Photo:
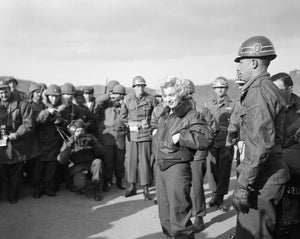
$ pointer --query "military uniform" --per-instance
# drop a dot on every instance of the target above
(85, 154)
(263, 173)
(220, 157)
(112, 137)
(198, 165)
(16, 116)
(138, 144)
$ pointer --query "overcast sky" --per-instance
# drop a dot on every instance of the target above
(87, 41)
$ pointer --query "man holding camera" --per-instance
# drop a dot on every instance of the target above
(17, 143)
(82, 153)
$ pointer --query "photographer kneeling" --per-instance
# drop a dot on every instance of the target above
(84, 154)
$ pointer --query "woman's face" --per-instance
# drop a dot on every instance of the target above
(171, 97)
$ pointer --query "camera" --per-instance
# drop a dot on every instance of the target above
(3, 136)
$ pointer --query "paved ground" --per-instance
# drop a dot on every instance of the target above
(70, 216)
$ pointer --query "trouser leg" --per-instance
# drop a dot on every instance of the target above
(14, 179)
(144, 153)
(212, 168)
(97, 170)
(132, 161)
(224, 170)
(109, 163)
(198, 197)
(163, 202)
(119, 163)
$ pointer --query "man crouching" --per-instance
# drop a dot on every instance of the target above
(84, 154)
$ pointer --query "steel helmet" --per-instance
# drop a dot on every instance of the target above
(119, 89)
(138, 80)
(220, 82)
(34, 87)
(111, 84)
(190, 86)
(53, 90)
(3, 84)
(43, 86)
(68, 89)
(88, 89)
(256, 47)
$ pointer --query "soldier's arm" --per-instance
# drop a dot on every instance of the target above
(27, 120)
(98, 149)
(260, 131)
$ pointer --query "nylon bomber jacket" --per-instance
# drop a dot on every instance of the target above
(195, 135)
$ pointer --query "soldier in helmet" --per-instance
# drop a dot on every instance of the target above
(83, 154)
(263, 173)
(49, 121)
(17, 141)
(136, 113)
(70, 112)
(112, 136)
(220, 157)
(90, 103)
(13, 84)
(198, 165)
(291, 152)
(32, 167)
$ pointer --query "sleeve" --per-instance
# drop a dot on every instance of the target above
(233, 128)
(260, 131)
(27, 120)
(65, 152)
(198, 136)
(124, 112)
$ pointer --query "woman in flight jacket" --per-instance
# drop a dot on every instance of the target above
(179, 134)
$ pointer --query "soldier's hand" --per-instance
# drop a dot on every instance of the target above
(175, 138)
(12, 136)
(61, 108)
(144, 124)
(52, 110)
(240, 198)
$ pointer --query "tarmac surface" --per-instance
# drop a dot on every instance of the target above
(71, 216)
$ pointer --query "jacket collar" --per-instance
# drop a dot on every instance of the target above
(253, 82)
(226, 99)
(181, 110)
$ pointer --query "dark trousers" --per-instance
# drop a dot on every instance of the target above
(13, 174)
(174, 202)
(47, 173)
(198, 196)
(114, 162)
(138, 162)
(33, 171)
(260, 223)
(219, 169)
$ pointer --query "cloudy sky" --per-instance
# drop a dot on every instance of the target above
(89, 41)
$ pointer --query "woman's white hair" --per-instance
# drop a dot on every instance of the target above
(180, 85)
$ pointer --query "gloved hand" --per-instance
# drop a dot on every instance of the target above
(241, 198)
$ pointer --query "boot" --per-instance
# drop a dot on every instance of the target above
(97, 192)
(216, 200)
(146, 194)
(119, 184)
(198, 224)
(37, 191)
(131, 191)
(105, 187)
(49, 190)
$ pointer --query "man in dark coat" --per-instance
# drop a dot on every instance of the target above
(263, 173)
(17, 141)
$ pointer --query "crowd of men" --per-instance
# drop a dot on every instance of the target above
(60, 134)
